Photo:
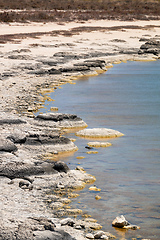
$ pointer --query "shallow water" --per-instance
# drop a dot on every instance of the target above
(126, 98)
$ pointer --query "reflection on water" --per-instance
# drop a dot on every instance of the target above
(127, 99)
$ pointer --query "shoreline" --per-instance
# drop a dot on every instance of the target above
(31, 68)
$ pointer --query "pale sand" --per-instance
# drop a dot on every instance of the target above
(82, 42)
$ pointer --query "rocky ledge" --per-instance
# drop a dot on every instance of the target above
(31, 187)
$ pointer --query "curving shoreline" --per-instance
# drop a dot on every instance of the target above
(26, 78)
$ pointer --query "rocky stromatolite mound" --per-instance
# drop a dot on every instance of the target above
(99, 133)
(61, 120)
(151, 46)
(37, 135)
(99, 144)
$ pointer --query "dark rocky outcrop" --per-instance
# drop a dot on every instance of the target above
(38, 139)
(21, 170)
(61, 167)
(151, 47)
(57, 117)
(11, 121)
(7, 146)
(17, 137)
(91, 64)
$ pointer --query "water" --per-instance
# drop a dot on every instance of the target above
(125, 98)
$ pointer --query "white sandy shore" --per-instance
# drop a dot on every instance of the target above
(43, 48)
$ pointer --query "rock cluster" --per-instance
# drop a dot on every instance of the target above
(121, 222)
(150, 47)
(83, 67)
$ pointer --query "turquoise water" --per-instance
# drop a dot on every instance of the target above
(126, 98)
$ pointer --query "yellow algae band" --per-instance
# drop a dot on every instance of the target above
(80, 157)
(99, 133)
(99, 144)
(92, 152)
(54, 109)
(97, 197)
(93, 188)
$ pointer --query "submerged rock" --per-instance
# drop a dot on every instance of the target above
(99, 133)
(99, 144)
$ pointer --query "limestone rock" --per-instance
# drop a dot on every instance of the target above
(11, 121)
(17, 137)
(99, 144)
(151, 46)
(67, 221)
(61, 167)
(99, 133)
(89, 236)
(48, 235)
(57, 117)
(99, 234)
(120, 222)
(40, 139)
(61, 120)
(7, 146)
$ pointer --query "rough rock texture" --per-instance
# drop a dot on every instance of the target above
(99, 144)
(24, 202)
(150, 47)
(121, 222)
(99, 133)
(61, 120)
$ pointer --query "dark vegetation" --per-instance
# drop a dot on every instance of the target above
(80, 10)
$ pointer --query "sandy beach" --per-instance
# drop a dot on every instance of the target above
(37, 58)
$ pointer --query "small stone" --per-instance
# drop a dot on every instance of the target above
(104, 237)
(133, 227)
(54, 109)
(89, 236)
(120, 222)
(73, 195)
(80, 169)
(67, 221)
(93, 188)
(90, 220)
(78, 227)
(99, 234)
(97, 197)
